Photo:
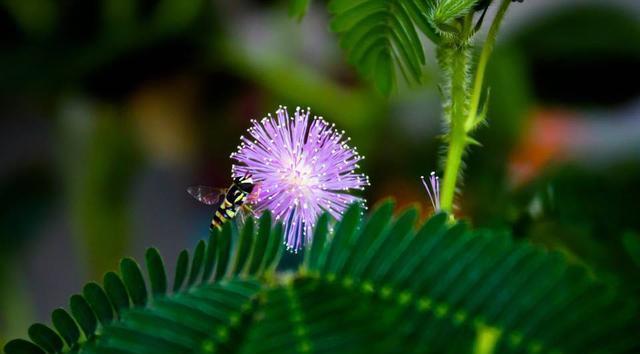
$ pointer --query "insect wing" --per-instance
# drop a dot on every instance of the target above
(242, 214)
(206, 195)
(254, 196)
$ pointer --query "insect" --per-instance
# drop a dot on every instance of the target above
(227, 202)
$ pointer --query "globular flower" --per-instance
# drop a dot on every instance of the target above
(433, 190)
(302, 167)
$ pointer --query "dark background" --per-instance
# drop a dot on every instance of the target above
(109, 109)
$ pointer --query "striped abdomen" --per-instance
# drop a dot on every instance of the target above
(228, 208)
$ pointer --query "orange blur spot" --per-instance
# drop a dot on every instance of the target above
(544, 141)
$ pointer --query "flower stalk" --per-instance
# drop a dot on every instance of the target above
(456, 62)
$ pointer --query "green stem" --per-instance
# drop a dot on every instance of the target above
(454, 160)
(457, 59)
(462, 110)
(487, 48)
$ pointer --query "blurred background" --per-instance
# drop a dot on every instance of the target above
(109, 109)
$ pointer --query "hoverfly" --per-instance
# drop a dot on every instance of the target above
(227, 202)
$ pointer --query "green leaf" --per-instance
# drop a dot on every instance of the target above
(481, 116)
(201, 317)
(46, 338)
(401, 231)
(376, 223)
(224, 249)
(196, 266)
(99, 302)
(274, 248)
(66, 326)
(157, 274)
(244, 246)
(343, 241)
(134, 281)
(21, 346)
(377, 284)
(384, 76)
(445, 282)
(471, 141)
(83, 315)
(314, 251)
(116, 292)
(264, 228)
(209, 261)
(298, 8)
(181, 270)
(380, 35)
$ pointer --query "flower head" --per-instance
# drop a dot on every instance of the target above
(302, 167)
(433, 190)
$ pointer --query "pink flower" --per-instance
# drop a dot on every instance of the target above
(302, 167)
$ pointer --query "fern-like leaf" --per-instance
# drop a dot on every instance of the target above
(210, 300)
(375, 284)
(379, 286)
(379, 35)
(444, 287)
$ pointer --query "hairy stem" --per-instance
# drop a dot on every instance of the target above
(461, 109)
(457, 61)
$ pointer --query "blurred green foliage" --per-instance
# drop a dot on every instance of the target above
(98, 163)
(299, 8)
(49, 46)
(27, 198)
